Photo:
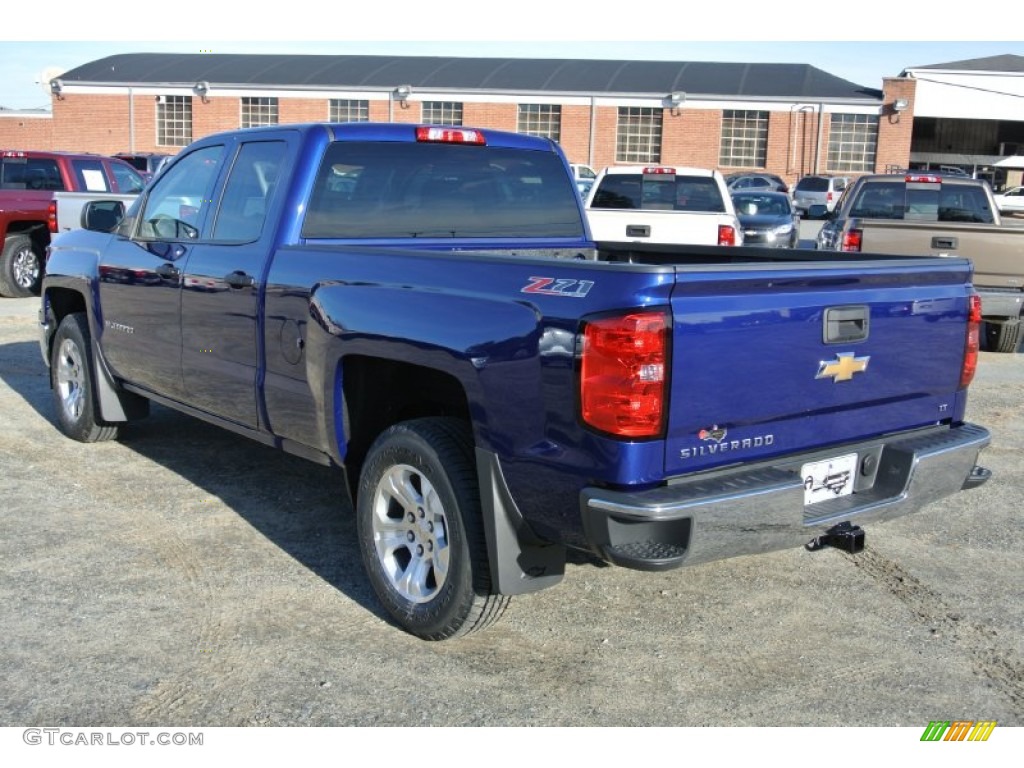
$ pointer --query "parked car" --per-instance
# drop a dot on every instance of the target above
(584, 186)
(581, 171)
(818, 190)
(750, 181)
(767, 219)
(1010, 200)
(29, 183)
(146, 163)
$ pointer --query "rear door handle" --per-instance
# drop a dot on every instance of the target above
(239, 279)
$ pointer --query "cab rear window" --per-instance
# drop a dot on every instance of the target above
(658, 193)
(922, 202)
(374, 190)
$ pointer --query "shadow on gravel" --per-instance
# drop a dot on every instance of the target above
(301, 507)
(23, 370)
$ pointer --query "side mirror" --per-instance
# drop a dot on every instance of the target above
(818, 212)
(102, 215)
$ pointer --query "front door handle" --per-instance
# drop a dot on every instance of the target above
(239, 279)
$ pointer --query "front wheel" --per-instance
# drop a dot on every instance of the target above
(421, 530)
(21, 267)
(74, 389)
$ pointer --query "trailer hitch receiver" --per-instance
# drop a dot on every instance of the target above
(845, 536)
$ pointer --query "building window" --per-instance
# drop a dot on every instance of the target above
(540, 120)
(442, 112)
(258, 110)
(853, 143)
(744, 139)
(349, 111)
(174, 121)
(639, 135)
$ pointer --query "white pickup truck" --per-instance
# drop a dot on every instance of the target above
(67, 207)
(661, 204)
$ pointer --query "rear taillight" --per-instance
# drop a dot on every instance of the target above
(51, 216)
(853, 239)
(973, 342)
(726, 235)
(623, 374)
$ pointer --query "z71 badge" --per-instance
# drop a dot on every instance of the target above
(551, 286)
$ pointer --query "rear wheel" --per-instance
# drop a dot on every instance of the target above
(421, 530)
(1003, 335)
(21, 267)
(74, 389)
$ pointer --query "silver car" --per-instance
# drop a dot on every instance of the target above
(818, 190)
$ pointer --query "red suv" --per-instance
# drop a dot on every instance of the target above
(28, 180)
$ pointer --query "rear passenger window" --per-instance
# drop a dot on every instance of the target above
(243, 208)
(90, 176)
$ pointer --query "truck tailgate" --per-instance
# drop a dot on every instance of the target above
(784, 360)
(652, 226)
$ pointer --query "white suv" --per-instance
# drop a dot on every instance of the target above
(818, 190)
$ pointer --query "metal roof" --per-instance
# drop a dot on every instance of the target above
(1005, 63)
(556, 76)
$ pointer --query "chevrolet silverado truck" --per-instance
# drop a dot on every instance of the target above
(921, 213)
(662, 204)
(30, 183)
(424, 308)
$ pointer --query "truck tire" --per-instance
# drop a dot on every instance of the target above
(21, 267)
(1003, 335)
(74, 389)
(421, 531)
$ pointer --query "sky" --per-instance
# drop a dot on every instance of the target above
(866, 51)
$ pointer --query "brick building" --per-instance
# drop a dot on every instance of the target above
(788, 119)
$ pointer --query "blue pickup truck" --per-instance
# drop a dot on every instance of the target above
(423, 307)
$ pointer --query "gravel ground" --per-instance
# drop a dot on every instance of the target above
(185, 576)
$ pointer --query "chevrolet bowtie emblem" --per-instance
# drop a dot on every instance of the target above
(843, 368)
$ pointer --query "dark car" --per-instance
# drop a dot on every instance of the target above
(146, 163)
(742, 182)
(767, 219)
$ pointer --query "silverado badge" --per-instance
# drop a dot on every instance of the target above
(843, 368)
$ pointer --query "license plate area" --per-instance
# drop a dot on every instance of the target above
(829, 478)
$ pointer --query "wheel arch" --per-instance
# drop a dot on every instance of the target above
(374, 393)
(112, 402)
